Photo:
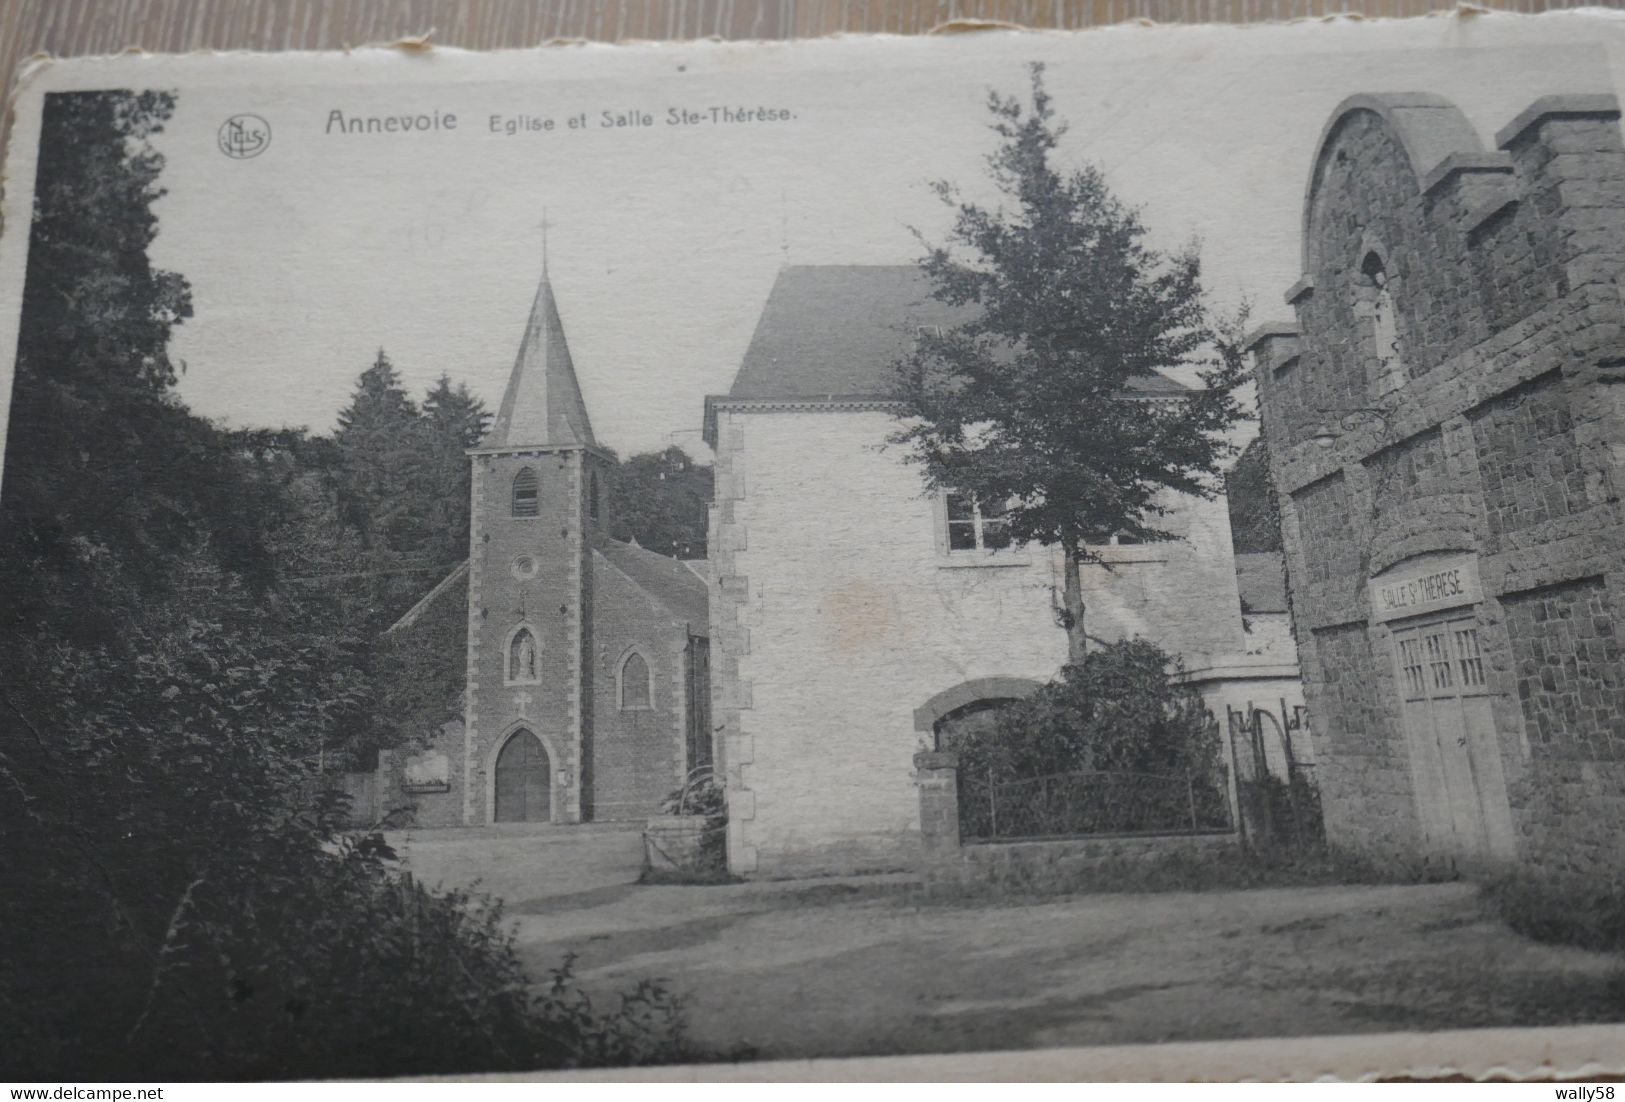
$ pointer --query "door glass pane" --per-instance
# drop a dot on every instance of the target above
(1439, 661)
(1410, 666)
(1468, 657)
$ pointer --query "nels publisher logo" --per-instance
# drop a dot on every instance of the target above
(244, 136)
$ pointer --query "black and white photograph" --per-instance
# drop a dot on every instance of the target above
(611, 558)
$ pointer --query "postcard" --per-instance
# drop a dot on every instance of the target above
(1047, 555)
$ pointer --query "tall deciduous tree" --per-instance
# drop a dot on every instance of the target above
(98, 453)
(661, 500)
(1029, 404)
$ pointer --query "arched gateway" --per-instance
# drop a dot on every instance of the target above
(970, 703)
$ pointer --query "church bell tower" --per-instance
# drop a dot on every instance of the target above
(537, 486)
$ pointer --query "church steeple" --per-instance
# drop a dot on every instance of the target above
(542, 406)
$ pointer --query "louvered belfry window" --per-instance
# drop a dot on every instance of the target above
(526, 500)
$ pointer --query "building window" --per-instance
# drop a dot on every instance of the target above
(976, 526)
(636, 690)
(526, 500)
(1390, 374)
(522, 657)
(592, 494)
(1103, 538)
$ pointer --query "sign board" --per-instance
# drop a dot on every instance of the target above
(1426, 584)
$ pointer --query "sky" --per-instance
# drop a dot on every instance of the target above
(663, 241)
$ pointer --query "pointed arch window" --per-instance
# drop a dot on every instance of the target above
(526, 496)
(1379, 291)
(635, 685)
(524, 657)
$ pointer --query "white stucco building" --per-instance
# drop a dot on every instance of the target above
(852, 611)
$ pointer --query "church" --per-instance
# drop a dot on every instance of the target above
(587, 694)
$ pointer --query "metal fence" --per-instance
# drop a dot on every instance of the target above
(1278, 798)
(1062, 805)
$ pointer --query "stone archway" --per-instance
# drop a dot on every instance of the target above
(969, 698)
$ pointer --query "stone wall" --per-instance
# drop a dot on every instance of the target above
(1362, 760)
(1041, 862)
(399, 788)
(1503, 443)
(1528, 460)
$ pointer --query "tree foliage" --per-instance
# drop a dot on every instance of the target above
(1255, 523)
(175, 665)
(1029, 404)
(1122, 709)
(1123, 744)
(660, 500)
(98, 454)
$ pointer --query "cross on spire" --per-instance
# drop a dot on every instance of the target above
(542, 405)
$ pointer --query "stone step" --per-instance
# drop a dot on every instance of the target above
(538, 831)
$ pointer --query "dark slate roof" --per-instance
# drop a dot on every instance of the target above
(542, 405)
(1260, 580)
(450, 584)
(665, 579)
(836, 330)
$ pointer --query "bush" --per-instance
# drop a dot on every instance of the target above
(1559, 908)
(1120, 713)
(318, 960)
(702, 796)
(1205, 869)
(182, 909)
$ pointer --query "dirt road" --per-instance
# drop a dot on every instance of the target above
(850, 967)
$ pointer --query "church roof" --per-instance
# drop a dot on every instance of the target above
(542, 406)
(415, 613)
(1260, 580)
(836, 330)
(665, 579)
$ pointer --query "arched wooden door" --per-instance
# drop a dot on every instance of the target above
(524, 781)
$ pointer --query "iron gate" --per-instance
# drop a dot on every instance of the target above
(1278, 801)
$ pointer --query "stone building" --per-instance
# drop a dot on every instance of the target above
(853, 613)
(1447, 435)
(587, 692)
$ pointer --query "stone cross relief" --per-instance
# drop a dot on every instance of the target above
(521, 703)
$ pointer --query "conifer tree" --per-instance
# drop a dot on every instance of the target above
(1027, 407)
(454, 420)
(376, 442)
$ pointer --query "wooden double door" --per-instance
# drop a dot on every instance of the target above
(1449, 723)
(524, 781)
